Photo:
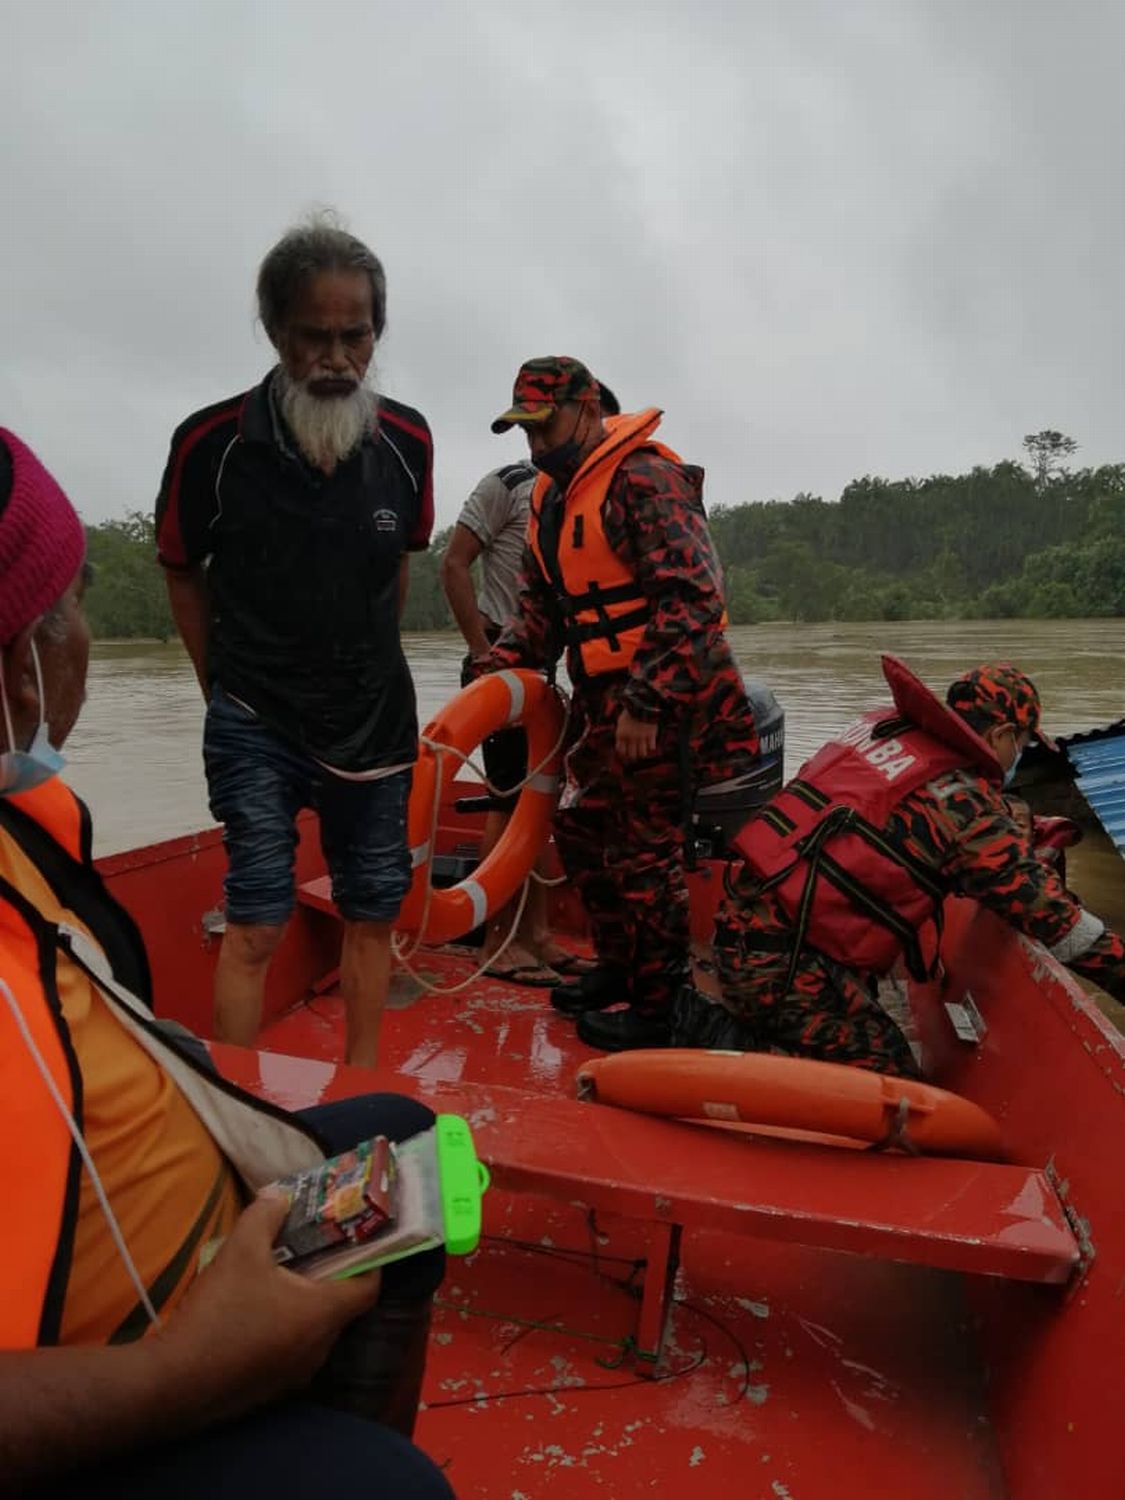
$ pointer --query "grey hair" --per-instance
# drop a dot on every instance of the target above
(318, 244)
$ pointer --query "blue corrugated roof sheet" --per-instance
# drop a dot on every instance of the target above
(1099, 761)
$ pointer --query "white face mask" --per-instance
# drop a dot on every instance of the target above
(20, 770)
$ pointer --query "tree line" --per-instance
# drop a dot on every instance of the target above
(1029, 540)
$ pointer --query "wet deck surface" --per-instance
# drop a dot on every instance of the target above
(792, 1374)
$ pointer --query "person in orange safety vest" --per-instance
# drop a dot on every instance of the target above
(125, 1361)
(621, 574)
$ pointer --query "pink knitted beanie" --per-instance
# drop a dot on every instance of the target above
(42, 541)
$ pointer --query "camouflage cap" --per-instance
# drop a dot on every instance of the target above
(1002, 693)
(608, 402)
(542, 386)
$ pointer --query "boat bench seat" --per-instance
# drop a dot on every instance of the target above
(984, 1218)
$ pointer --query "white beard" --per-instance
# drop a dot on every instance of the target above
(327, 428)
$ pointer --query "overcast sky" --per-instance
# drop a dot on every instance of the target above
(828, 237)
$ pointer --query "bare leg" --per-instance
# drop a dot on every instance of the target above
(240, 980)
(521, 952)
(365, 976)
(537, 925)
(494, 825)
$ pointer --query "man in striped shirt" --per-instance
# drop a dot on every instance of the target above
(284, 524)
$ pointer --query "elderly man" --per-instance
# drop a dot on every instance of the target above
(254, 1379)
(284, 522)
(492, 530)
(622, 574)
(847, 869)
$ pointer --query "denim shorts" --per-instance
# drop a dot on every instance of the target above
(258, 784)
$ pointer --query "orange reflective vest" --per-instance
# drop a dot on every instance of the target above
(39, 1163)
(603, 609)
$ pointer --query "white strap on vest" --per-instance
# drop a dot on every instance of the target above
(1080, 939)
(259, 1146)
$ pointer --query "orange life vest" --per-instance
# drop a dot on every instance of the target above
(604, 611)
(39, 1164)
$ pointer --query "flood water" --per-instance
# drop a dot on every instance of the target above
(135, 754)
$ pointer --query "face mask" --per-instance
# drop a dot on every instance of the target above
(563, 461)
(20, 770)
(1010, 773)
(560, 463)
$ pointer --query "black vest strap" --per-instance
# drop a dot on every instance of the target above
(596, 597)
(50, 1316)
(811, 850)
(606, 628)
(80, 889)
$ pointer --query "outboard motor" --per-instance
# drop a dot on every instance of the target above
(720, 811)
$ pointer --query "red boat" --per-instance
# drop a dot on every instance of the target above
(667, 1308)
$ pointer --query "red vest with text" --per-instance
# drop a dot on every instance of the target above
(821, 846)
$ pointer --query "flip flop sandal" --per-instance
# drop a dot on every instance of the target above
(574, 965)
(530, 976)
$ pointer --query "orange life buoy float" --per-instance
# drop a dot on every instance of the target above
(500, 700)
(823, 1098)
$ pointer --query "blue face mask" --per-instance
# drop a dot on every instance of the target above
(20, 770)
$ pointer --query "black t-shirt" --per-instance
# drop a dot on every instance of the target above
(302, 572)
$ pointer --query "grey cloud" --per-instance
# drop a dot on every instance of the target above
(827, 239)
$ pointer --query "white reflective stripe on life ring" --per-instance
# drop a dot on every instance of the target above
(515, 694)
(478, 897)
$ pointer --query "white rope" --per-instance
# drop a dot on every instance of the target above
(88, 1161)
(404, 949)
(454, 989)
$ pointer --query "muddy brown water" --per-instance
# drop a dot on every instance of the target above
(135, 754)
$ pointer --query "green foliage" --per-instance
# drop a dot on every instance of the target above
(1078, 579)
(127, 597)
(997, 543)
(426, 606)
(1047, 452)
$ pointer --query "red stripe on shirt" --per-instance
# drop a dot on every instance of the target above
(419, 538)
(422, 433)
(169, 540)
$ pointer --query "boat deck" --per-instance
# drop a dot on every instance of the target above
(793, 1371)
(789, 1372)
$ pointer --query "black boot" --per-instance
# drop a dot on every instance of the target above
(620, 1030)
(593, 991)
(698, 1021)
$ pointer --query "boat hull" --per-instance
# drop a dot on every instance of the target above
(858, 1369)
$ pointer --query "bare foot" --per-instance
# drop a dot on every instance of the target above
(514, 956)
(556, 957)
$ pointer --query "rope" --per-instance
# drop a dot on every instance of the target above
(404, 949)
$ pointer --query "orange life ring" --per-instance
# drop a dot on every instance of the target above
(755, 1088)
(498, 701)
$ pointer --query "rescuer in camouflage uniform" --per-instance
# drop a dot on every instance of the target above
(960, 826)
(643, 738)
